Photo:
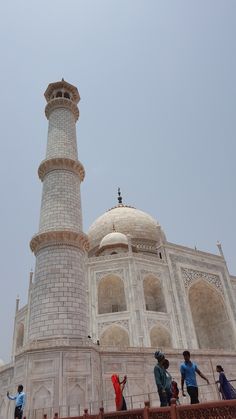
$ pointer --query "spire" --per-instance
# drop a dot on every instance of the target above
(31, 277)
(218, 244)
(17, 302)
(61, 174)
(119, 197)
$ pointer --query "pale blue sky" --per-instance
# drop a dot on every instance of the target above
(157, 81)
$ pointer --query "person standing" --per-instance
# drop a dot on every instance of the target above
(20, 402)
(166, 365)
(119, 387)
(227, 391)
(188, 370)
(160, 378)
(175, 391)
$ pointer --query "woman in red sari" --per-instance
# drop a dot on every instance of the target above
(119, 387)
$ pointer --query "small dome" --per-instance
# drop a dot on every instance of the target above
(114, 238)
(127, 220)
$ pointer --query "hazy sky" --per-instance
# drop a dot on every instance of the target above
(157, 81)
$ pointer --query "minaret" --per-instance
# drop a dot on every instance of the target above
(58, 304)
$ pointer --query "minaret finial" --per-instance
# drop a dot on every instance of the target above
(17, 302)
(119, 196)
(218, 244)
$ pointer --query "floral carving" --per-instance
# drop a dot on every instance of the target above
(160, 415)
(103, 274)
(61, 163)
(104, 325)
(216, 412)
(190, 275)
(156, 322)
(146, 273)
(131, 415)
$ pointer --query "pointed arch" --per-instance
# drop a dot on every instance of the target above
(115, 336)
(153, 294)
(160, 337)
(77, 396)
(210, 318)
(42, 398)
(111, 295)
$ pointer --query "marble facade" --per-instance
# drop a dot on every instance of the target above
(102, 303)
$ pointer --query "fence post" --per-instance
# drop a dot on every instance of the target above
(173, 411)
(55, 416)
(146, 409)
(85, 415)
(101, 413)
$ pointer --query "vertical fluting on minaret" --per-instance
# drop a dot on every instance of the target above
(58, 299)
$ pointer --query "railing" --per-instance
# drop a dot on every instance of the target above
(207, 393)
(224, 409)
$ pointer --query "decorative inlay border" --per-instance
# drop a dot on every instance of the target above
(157, 322)
(61, 163)
(112, 246)
(104, 325)
(147, 272)
(103, 274)
(72, 238)
(61, 103)
(190, 276)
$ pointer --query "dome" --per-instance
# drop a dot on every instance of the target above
(127, 220)
(114, 238)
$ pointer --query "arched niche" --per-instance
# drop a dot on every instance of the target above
(212, 325)
(77, 396)
(111, 295)
(19, 335)
(160, 337)
(114, 336)
(153, 294)
(42, 398)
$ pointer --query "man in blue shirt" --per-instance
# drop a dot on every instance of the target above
(20, 402)
(188, 371)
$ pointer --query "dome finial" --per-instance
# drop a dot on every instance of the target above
(119, 196)
(113, 227)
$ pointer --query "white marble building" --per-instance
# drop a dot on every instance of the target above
(122, 285)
